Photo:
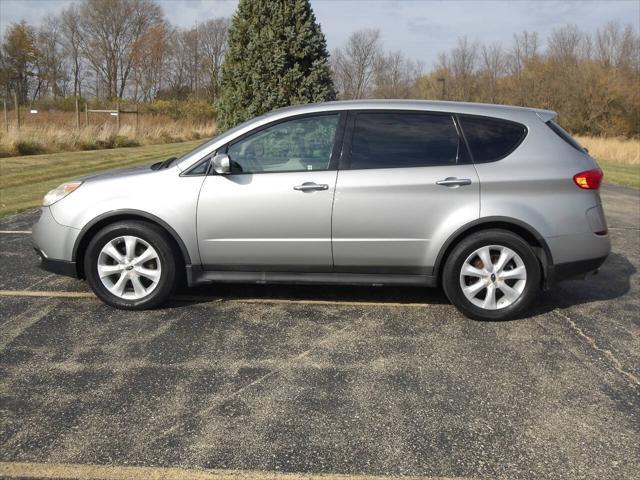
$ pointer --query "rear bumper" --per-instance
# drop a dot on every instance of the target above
(577, 269)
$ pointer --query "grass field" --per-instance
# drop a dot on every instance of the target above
(618, 157)
(54, 132)
(621, 174)
(24, 180)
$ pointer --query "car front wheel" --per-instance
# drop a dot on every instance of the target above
(492, 275)
(130, 265)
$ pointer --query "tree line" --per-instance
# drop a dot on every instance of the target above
(591, 79)
(112, 50)
(126, 49)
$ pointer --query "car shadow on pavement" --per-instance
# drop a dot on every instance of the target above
(611, 282)
(310, 293)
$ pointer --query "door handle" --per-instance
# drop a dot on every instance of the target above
(310, 186)
(454, 182)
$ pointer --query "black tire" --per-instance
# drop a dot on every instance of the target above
(154, 236)
(452, 269)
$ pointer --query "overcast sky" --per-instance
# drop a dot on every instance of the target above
(420, 29)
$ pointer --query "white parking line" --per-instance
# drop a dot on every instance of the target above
(100, 472)
(36, 293)
(20, 232)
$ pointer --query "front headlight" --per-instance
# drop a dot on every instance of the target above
(59, 193)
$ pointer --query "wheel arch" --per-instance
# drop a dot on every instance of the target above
(101, 221)
(524, 230)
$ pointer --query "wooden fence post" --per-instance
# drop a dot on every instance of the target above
(6, 119)
(77, 115)
(118, 118)
(15, 102)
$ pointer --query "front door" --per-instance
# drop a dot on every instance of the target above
(273, 211)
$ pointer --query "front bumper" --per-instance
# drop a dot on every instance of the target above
(61, 267)
(54, 244)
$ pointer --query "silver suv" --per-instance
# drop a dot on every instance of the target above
(491, 202)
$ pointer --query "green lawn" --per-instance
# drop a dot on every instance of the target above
(25, 180)
(621, 174)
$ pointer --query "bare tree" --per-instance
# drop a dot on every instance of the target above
(493, 67)
(149, 61)
(463, 63)
(395, 75)
(617, 47)
(179, 72)
(109, 31)
(566, 44)
(49, 59)
(525, 49)
(70, 37)
(524, 52)
(354, 64)
(213, 35)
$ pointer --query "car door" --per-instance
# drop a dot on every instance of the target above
(404, 186)
(273, 210)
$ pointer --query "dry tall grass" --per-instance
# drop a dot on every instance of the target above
(51, 132)
(623, 151)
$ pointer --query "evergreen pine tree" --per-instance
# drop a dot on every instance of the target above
(277, 56)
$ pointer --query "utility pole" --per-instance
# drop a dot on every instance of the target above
(444, 90)
(6, 119)
(77, 115)
(118, 117)
(15, 102)
(195, 66)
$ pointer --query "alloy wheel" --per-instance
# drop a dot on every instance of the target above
(493, 277)
(129, 267)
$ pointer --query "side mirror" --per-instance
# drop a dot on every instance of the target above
(221, 164)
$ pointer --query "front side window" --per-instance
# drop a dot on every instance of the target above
(396, 140)
(491, 139)
(300, 144)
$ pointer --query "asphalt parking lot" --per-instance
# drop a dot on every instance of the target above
(334, 380)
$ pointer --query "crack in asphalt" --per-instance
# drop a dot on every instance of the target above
(289, 361)
(14, 327)
(614, 362)
(48, 277)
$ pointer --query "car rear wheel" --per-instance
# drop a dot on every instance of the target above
(130, 265)
(492, 275)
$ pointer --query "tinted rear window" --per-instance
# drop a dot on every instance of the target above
(562, 133)
(393, 140)
(491, 139)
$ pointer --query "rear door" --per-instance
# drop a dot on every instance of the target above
(405, 184)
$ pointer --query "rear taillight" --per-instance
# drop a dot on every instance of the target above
(589, 180)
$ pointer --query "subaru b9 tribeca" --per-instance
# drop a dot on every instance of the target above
(491, 202)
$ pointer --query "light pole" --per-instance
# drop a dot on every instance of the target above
(444, 89)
